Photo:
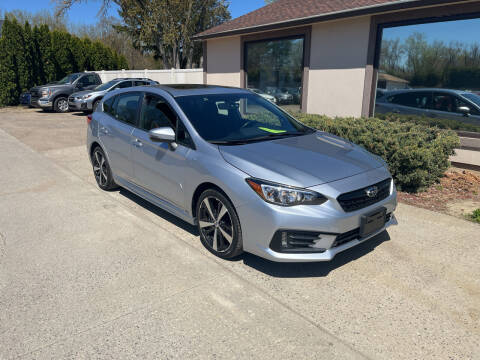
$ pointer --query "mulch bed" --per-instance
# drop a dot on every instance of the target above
(456, 185)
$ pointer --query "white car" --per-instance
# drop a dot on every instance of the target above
(264, 95)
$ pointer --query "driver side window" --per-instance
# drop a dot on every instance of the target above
(156, 113)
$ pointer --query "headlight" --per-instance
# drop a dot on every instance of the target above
(85, 97)
(284, 195)
(46, 92)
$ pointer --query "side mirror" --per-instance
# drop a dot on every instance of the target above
(465, 110)
(163, 134)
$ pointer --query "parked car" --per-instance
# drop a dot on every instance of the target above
(54, 96)
(264, 95)
(88, 100)
(283, 96)
(24, 99)
(442, 103)
(250, 176)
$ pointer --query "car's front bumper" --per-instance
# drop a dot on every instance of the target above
(260, 220)
(79, 105)
(41, 103)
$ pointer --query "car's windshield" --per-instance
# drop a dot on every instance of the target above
(106, 86)
(68, 79)
(473, 97)
(238, 118)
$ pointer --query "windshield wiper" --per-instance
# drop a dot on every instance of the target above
(257, 139)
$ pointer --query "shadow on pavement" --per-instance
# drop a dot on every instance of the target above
(159, 212)
(280, 270)
(318, 269)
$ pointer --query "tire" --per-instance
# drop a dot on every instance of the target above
(95, 104)
(219, 225)
(101, 170)
(60, 105)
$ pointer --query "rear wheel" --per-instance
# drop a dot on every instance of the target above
(101, 170)
(60, 104)
(218, 225)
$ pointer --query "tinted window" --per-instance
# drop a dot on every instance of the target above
(140, 83)
(126, 107)
(450, 103)
(183, 137)
(156, 113)
(88, 80)
(108, 106)
(238, 118)
(123, 84)
(419, 100)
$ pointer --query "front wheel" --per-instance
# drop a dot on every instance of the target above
(60, 104)
(218, 225)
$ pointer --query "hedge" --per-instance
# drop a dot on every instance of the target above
(431, 122)
(30, 57)
(417, 155)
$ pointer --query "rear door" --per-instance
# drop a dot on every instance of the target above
(410, 103)
(119, 119)
(157, 167)
(88, 82)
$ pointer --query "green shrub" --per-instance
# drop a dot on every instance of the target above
(475, 216)
(417, 155)
(431, 122)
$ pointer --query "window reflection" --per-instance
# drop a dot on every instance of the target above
(274, 70)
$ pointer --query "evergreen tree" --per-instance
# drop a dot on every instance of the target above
(8, 67)
(30, 64)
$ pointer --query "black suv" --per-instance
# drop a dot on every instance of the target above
(54, 96)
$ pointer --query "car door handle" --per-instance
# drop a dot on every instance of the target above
(103, 130)
(137, 143)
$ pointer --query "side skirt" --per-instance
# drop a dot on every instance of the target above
(155, 200)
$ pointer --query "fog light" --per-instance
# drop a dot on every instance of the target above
(290, 241)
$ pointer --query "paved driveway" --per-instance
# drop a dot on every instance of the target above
(92, 274)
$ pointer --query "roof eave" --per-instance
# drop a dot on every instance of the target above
(367, 10)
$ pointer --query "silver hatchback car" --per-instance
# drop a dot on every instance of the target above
(88, 100)
(250, 176)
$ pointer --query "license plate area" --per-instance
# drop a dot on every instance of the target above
(373, 222)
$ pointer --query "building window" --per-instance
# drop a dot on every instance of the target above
(273, 69)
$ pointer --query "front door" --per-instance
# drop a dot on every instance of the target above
(159, 168)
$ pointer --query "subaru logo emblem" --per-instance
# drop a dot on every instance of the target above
(372, 191)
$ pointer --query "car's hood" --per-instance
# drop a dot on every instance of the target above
(50, 86)
(81, 93)
(302, 161)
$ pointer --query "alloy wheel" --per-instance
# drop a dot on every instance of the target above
(100, 168)
(63, 105)
(216, 224)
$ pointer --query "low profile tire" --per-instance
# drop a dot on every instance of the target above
(101, 170)
(218, 225)
(60, 105)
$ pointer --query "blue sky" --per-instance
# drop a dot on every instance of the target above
(85, 13)
(466, 31)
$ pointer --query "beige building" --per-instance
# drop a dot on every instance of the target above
(317, 55)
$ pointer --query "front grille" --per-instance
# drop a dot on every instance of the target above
(359, 199)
